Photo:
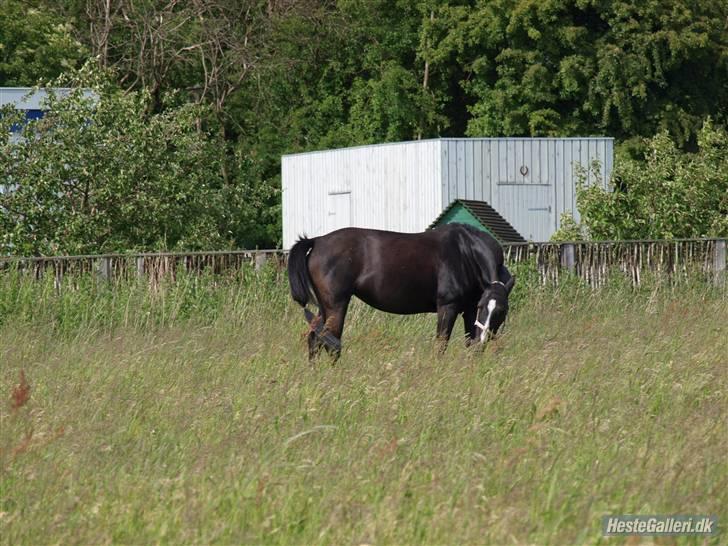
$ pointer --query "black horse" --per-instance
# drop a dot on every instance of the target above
(450, 270)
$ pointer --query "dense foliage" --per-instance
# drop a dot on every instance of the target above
(565, 67)
(100, 173)
(268, 77)
(666, 194)
(35, 43)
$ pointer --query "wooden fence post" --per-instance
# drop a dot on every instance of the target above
(57, 276)
(260, 260)
(567, 257)
(719, 262)
(140, 267)
(105, 268)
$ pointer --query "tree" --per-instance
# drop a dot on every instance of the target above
(283, 76)
(579, 67)
(34, 44)
(205, 48)
(667, 194)
(103, 174)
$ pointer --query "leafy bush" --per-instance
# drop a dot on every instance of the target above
(569, 229)
(101, 173)
(669, 194)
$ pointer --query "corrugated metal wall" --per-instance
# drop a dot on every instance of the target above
(386, 186)
(29, 98)
(32, 102)
(405, 186)
(530, 181)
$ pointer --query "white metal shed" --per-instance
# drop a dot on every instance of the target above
(404, 186)
(31, 100)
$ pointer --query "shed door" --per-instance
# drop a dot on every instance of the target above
(339, 211)
(529, 209)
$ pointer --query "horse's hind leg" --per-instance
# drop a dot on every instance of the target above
(334, 327)
(314, 346)
(315, 328)
(326, 331)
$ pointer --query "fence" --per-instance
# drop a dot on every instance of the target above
(592, 261)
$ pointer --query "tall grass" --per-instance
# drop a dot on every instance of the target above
(188, 413)
(87, 302)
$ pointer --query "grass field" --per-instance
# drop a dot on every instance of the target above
(191, 415)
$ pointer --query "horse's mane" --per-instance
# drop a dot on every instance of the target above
(479, 255)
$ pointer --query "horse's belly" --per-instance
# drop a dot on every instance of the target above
(400, 299)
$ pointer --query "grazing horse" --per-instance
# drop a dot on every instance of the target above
(449, 270)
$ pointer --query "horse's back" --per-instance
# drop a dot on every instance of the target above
(395, 272)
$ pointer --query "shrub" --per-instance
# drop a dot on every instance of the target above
(669, 194)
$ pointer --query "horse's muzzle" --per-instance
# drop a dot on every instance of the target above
(484, 330)
(484, 327)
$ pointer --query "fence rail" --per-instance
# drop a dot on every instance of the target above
(592, 261)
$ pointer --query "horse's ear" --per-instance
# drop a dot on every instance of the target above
(509, 283)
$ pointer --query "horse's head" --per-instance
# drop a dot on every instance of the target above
(493, 307)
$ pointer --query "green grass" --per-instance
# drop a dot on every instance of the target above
(190, 414)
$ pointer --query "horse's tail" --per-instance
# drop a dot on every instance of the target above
(298, 275)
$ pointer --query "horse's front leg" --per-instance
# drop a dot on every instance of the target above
(469, 316)
(446, 316)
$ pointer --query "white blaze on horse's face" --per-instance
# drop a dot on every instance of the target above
(484, 327)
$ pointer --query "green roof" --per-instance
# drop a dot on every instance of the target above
(481, 215)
